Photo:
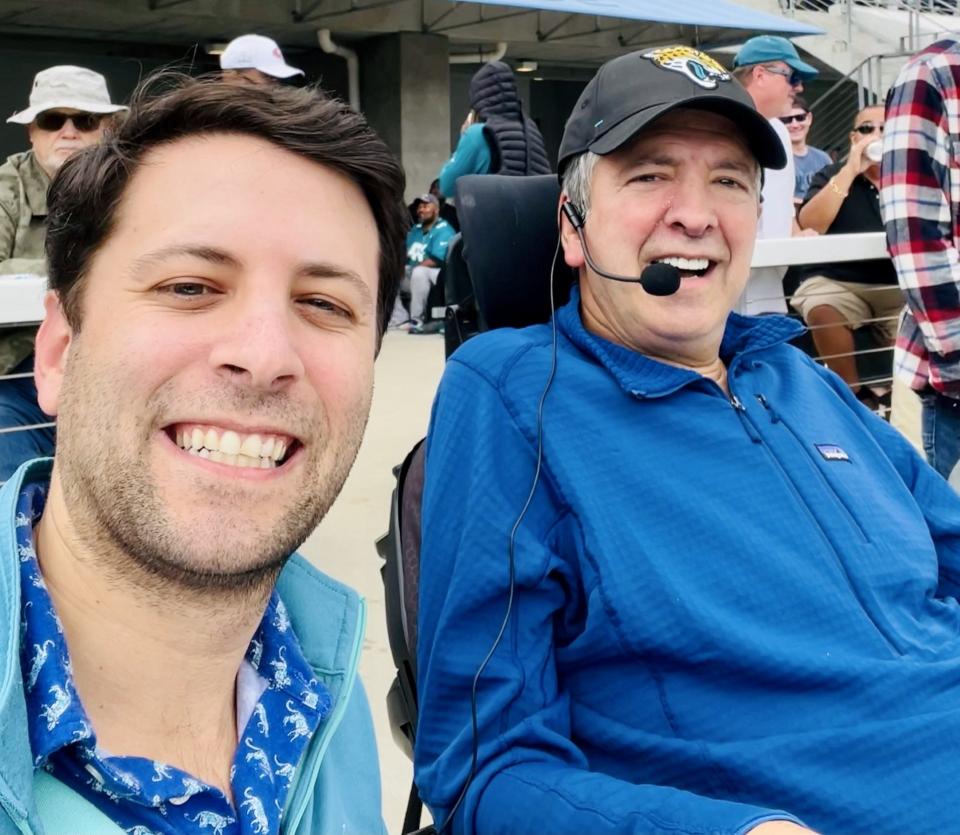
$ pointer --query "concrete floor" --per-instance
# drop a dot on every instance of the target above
(408, 370)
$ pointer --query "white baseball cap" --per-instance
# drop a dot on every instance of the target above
(255, 52)
(74, 88)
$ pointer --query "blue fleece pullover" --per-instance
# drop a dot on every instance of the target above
(727, 609)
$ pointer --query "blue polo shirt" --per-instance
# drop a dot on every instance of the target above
(281, 701)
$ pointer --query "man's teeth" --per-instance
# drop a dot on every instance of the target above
(689, 264)
(229, 447)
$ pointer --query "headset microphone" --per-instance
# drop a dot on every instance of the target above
(656, 279)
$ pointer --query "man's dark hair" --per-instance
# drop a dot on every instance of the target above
(84, 196)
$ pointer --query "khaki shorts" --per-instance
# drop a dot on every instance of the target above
(858, 303)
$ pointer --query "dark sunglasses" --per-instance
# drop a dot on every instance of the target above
(868, 127)
(797, 117)
(792, 76)
(53, 120)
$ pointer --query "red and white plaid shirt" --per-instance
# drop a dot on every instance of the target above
(920, 198)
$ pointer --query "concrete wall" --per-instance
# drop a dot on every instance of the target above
(404, 81)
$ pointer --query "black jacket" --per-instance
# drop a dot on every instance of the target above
(515, 141)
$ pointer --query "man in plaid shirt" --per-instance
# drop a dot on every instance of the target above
(920, 195)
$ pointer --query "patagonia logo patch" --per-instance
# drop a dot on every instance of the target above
(699, 67)
(831, 452)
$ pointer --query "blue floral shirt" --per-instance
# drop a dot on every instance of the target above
(140, 795)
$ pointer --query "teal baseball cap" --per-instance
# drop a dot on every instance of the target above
(765, 48)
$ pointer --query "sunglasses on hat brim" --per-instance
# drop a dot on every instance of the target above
(53, 120)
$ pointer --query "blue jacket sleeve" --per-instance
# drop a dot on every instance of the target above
(935, 498)
(472, 156)
(531, 777)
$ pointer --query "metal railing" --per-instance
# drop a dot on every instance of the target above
(834, 110)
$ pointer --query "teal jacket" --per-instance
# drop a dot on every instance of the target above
(472, 156)
(337, 785)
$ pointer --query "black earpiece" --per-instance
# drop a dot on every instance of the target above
(573, 214)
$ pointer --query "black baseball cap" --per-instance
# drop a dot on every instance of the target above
(630, 91)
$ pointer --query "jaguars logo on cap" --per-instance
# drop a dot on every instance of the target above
(699, 67)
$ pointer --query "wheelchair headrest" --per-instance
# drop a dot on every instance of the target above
(509, 228)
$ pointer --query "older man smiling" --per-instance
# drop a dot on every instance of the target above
(693, 586)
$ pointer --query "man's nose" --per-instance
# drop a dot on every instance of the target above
(690, 209)
(69, 128)
(256, 346)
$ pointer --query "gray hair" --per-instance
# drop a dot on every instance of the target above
(577, 179)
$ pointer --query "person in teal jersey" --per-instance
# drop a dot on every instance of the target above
(427, 244)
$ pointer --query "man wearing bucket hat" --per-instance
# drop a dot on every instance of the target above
(726, 593)
(773, 73)
(255, 59)
(65, 115)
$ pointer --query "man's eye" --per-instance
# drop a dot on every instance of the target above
(732, 183)
(186, 289)
(327, 306)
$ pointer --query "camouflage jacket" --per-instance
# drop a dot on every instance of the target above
(23, 226)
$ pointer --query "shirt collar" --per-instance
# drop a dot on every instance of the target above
(56, 718)
(640, 375)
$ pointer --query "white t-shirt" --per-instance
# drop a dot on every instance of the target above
(764, 291)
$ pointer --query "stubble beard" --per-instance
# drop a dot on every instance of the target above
(117, 510)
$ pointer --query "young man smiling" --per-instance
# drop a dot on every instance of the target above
(727, 593)
(222, 268)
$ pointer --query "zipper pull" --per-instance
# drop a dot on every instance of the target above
(774, 417)
(741, 411)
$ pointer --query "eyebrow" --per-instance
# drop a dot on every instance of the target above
(665, 159)
(220, 257)
(210, 254)
(324, 269)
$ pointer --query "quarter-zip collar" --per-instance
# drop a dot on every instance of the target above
(642, 376)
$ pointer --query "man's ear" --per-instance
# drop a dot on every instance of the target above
(569, 239)
(54, 340)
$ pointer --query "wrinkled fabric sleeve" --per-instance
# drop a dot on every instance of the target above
(920, 159)
(531, 777)
(9, 213)
(440, 243)
(472, 156)
(935, 498)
